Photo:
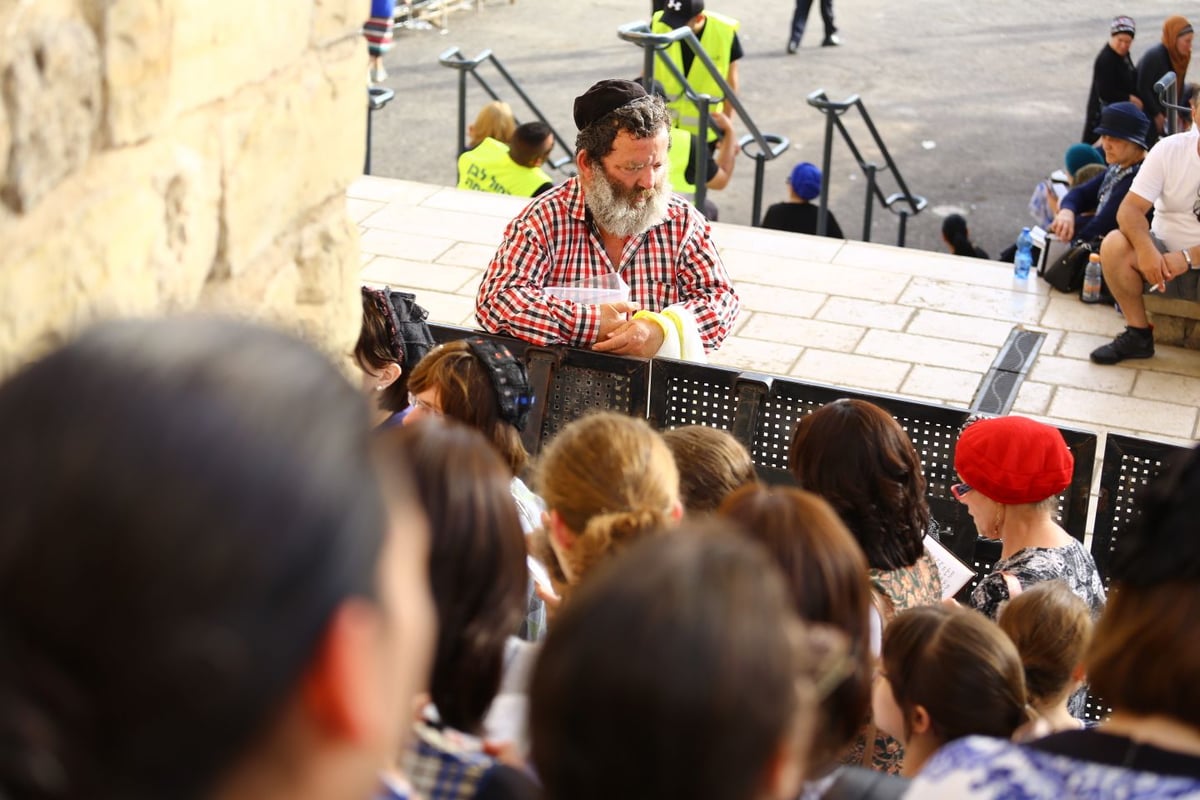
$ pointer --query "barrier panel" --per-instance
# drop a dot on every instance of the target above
(568, 382)
(1129, 465)
(761, 411)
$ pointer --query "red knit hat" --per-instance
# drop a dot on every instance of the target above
(1013, 460)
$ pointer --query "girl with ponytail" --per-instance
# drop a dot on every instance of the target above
(607, 480)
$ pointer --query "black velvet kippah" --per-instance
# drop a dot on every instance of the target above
(605, 96)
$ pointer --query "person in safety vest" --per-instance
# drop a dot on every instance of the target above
(718, 36)
(515, 169)
(682, 164)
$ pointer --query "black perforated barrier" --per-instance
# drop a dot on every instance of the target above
(1129, 465)
(762, 411)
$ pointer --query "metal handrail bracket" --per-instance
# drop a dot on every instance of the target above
(833, 111)
(453, 58)
(654, 45)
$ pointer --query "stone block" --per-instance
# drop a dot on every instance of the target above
(219, 46)
(141, 239)
(287, 147)
(50, 80)
(339, 19)
(304, 281)
(136, 39)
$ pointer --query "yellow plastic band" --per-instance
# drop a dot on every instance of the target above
(658, 320)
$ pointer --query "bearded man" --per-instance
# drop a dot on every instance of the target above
(617, 216)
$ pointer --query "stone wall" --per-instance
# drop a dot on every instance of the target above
(164, 155)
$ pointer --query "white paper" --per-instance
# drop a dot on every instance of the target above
(955, 573)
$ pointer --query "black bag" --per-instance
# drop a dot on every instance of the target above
(1066, 274)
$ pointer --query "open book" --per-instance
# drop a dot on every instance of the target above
(955, 573)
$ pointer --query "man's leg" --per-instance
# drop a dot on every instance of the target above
(1119, 261)
(799, 20)
(827, 18)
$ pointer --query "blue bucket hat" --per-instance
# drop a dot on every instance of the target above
(1124, 121)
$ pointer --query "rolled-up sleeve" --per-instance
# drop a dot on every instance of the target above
(511, 299)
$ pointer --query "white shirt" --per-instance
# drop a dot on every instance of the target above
(1170, 178)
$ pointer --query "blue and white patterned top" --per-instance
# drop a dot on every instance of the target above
(981, 769)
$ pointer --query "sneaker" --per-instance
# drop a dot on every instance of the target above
(1131, 343)
(793, 46)
(832, 40)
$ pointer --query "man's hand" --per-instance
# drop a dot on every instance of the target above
(1063, 225)
(613, 316)
(1153, 267)
(637, 337)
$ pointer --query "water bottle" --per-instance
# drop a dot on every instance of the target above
(1091, 280)
(1024, 259)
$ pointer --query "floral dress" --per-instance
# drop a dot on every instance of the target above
(894, 591)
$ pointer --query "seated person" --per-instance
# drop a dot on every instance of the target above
(1013, 469)
(494, 121)
(516, 169)
(1051, 627)
(617, 216)
(958, 238)
(477, 574)
(393, 338)
(1143, 660)
(1161, 256)
(679, 672)
(1043, 203)
(204, 595)
(946, 673)
(799, 214)
(1122, 131)
(712, 464)
(682, 157)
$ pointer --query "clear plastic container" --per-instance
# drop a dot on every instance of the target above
(607, 288)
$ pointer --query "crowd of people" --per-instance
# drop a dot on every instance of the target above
(226, 573)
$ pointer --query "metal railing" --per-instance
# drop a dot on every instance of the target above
(903, 203)
(1166, 89)
(454, 59)
(766, 146)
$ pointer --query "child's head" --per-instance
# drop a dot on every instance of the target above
(1051, 627)
(946, 673)
(712, 464)
(805, 181)
(608, 480)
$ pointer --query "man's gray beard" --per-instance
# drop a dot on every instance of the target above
(612, 207)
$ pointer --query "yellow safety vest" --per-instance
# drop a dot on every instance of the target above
(488, 168)
(717, 41)
(677, 161)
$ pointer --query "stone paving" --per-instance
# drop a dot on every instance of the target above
(913, 323)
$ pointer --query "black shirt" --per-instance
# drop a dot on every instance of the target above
(1112, 750)
(800, 218)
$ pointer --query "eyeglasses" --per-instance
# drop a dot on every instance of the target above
(959, 490)
(423, 405)
(1196, 204)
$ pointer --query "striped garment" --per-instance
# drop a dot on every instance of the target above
(378, 29)
(553, 242)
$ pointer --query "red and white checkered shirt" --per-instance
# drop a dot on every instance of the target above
(554, 242)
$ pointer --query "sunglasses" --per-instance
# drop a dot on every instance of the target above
(959, 490)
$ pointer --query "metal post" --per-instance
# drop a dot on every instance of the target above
(903, 228)
(462, 112)
(868, 208)
(826, 164)
(700, 144)
(370, 110)
(760, 165)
